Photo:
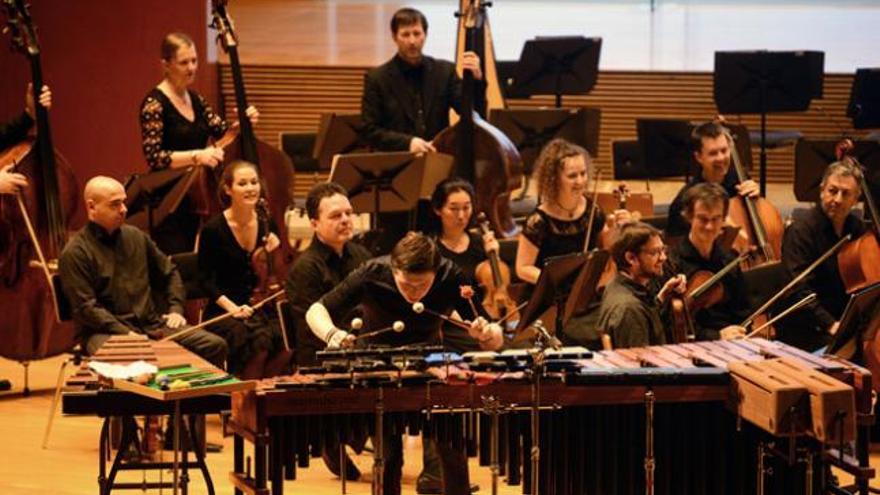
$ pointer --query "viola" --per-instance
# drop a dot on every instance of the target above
(483, 154)
(703, 291)
(240, 143)
(34, 224)
(760, 220)
(859, 260)
(494, 276)
(265, 263)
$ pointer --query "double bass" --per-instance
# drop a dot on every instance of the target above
(483, 154)
(275, 167)
(34, 225)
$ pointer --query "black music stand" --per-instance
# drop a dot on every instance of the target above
(388, 182)
(667, 150)
(583, 291)
(864, 99)
(558, 65)
(861, 315)
(811, 158)
(338, 134)
(531, 128)
(628, 162)
(748, 82)
(553, 287)
(151, 197)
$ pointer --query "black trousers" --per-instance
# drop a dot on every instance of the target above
(453, 464)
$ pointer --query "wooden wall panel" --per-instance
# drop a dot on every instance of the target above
(291, 98)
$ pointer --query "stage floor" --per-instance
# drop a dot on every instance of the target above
(673, 36)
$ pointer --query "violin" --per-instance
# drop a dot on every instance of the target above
(494, 276)
(859, 260)
(264, 262)
(703, 291)
(759, 219)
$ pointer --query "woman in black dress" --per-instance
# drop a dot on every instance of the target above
(452, 204)
(226, 245)
(560, 222)
(177, 125)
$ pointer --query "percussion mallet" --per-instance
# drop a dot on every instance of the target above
(396, 327)
(419, 308)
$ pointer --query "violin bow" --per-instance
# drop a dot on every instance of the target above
(189, 330)
(593, 208)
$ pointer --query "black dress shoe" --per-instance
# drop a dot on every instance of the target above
(331, 459)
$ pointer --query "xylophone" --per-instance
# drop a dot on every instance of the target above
(664, 419)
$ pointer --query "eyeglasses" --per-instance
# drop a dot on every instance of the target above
(656, 251)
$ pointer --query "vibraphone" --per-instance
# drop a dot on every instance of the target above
(85, 393)
(664, 419)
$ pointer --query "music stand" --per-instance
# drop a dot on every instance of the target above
(338, 134)
(864, 99)
(862, 313)
(530, 129)
(628, 162)
(583, 291)
(748, 82)
(667, 150)
(558, 65)
(388, 182)
(151, 197)
(553, 287)
(811, 158)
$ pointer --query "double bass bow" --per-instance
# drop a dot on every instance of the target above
(859, 261)
(34, 224)
(483, 154)
(274, 166)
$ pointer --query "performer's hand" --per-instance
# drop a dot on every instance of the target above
(622, 217)
(419, 145)
(243, 312)
(45, 99)
(676, 284)
(252, 114)
(748, 189)
(174, 320)
(471, 61)
(272, 242)
(490, 243)
(340, 339)
(731, 332)
(491, 338)
(210, 156)
(11, 182)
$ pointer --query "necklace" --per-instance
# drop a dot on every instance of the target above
(568, 211)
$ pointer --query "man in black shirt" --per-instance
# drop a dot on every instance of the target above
(705, 207)
(118, 282)
(712, 148)
(805, 240)
(406, 101)
(387, 288)
(631, 307)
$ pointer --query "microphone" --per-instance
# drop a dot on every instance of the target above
(419, 308)
(544, 336)
(396, 327)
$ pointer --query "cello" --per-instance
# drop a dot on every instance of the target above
(859, 261)
(34, 225)
(759, 219)
(483, 154)
(275, 167)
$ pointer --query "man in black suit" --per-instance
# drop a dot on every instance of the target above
(406, 100)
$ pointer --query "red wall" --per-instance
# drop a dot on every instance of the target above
(101, 57)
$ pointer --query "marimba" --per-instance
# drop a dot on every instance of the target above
(663, 418)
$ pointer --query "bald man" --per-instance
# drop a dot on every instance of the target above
(118, 282)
